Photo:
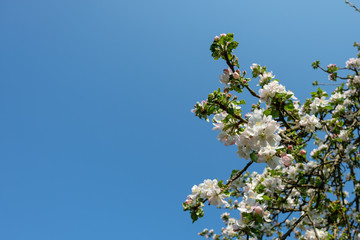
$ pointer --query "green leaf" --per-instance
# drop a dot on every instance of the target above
(289, 106)
(316, 64)
(214, 47)
(265, 197)
(267, 112)
(229, 37)
(235, 171)
(274, 113)
(194, 217)
(233, 45)
(216, 55)
(254, 156)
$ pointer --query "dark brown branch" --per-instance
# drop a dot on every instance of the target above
(252, 92)
(352, 5)
(292, 227)
(231, 66)
(238, 174)
(225, 108)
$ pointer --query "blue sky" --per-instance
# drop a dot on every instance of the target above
(97, 139)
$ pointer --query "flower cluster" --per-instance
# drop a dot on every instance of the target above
(209, 190)
(353, 63)
(310, 123)
(268, 92)
(297, 195)
(260, 136)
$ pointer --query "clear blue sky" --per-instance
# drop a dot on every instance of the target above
(96, 136)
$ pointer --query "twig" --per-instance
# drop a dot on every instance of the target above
(238, 174)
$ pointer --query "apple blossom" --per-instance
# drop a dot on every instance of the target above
(295, 195)
(236, 75)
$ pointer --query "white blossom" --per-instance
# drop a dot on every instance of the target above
(209, 190)
(310, 123)
(260, 135)
(267, 155)
(353, 63)
(224, 136)
(266, 76)
(336, 96)
(225, 76)
(318, 103)
(254, 65)
(269, 90)
(310, 234)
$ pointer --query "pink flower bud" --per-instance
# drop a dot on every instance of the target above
(238, 71)
(226, 71)
(228, 95)
(290, 147)
(258, 210)
(244, 72)
(222, 35)
(302, 152)
(216, 38)
(286, 160)
(244, 81)
(236, 75)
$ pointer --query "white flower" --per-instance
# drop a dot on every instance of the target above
(357, 236)
(344, 135)
(310, 166)
(267, 155)
(273, 184)
(354, 81)
(243, 148)
(224, 78)
(253, 195)
(349, 148)
(247, 205)
(310, 234)
(229, 230)
(350, 93)
(310, 122)
(266, 76)
(254, 65)
(262, 131)
(353, 63)
(260, 135)
(269, 90)
(219, 117)
(210, 190)
(292, 171)
(318, 103)
(339, 108)
(224, 136)
(336, 96)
